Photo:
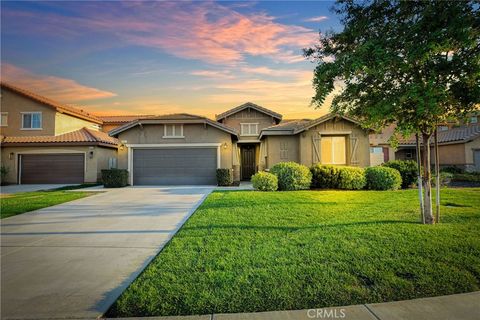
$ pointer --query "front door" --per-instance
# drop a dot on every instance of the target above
(248, 161)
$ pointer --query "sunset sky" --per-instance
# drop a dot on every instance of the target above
(165, 57)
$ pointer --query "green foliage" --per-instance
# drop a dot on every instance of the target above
(452, 169)
(408, 170)
(255, 251)
(3, 173)
(224, 177)
(115, 178)
(337, 177)
(470, 177)
(292, 176)
(383, 178)
(265, 181)
(414, 63)
(445, 179)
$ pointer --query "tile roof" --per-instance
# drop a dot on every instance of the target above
(123, 118)
(289, 124)
(248, 105)
(458, 134)
(177, 116)
(57, 106)
(83, 136)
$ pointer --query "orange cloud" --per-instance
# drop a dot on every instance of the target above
(60, 89)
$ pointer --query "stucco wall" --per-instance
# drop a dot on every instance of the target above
(336, 127)
(274, 144)
(15, 104)
(92, 169)
(194, 133)
(65, 123)
(469, 149)
(248, 116)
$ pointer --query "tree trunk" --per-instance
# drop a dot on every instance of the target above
(427, 184)
(419, 177)
(437, 176)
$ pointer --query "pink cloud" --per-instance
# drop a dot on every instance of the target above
(206, 31)
(60, 89)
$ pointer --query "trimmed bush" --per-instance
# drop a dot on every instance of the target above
(224, 177)
(265, 181)
(445, 179)
(452, 169)
(408, 171)
(292, 176)
(337, 177)
(383, 178)
(3, 173)
(115, 178)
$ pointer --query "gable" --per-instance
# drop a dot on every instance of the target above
(249, 106)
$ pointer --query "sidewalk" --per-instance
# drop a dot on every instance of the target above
(465, 306)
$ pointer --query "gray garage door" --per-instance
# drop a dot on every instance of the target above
(51, 168)
(175, 166)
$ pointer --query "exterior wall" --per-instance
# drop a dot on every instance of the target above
(65, 123)
(335, 127)
(194, 133)
(470, 147)
(14, 104)
(93, 166)
(274, 144)
(248, 116)
(376, 159)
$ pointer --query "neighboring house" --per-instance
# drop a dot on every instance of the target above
(112, 122)
(187, 149)
(380, 149)
(458, 147)
(43, 141)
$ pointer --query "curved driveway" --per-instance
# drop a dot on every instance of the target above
(73, 260)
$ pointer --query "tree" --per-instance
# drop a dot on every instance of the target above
(413, 63)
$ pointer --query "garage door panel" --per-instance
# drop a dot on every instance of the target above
(174, 166)
(51, 168)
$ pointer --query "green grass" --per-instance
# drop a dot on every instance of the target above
(13, 204)
(253, 251)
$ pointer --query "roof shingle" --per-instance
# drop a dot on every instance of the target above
(458, 134)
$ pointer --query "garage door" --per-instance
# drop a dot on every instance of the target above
(174, 166)
(51, 168)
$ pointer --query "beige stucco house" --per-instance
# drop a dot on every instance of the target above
(186, 149)
(47, 142)
(43, 141)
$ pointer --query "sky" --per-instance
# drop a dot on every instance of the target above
(136, 57)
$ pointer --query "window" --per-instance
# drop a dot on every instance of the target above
(173, 131)
(249, 129)
(376, 150)
(473, 119)
(31, 120)
(333, 150)
(442, 128)
(4, 120)
(283, 150)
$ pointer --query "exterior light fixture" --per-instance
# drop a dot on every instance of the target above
(225, 145)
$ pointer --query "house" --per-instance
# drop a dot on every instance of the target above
(46, 142)
(43, 141)
(457, 147)
(187, 149)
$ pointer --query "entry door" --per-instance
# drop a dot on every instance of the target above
(248, 162)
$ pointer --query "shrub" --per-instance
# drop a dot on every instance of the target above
(115, 178)
(265, 181)
(468, 177)
(452, 169)
(3, 173)
(445, 179)
(336, 177)
(292, 176)
(383, 178)
(224, 177)
(408, 170)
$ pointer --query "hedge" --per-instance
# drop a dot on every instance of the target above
(115, 178)
(383, 178)
(408, 170)
(264, 181)
(337, 177)
(224, 177)
(292, 176)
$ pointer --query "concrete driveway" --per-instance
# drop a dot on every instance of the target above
(73, 260)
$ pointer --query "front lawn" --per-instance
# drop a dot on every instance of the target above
(253, 251)
(13, 204)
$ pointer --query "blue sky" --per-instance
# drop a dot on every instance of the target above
(165, 57)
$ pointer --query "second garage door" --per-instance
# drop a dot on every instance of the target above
(175, 166)
(51, 168)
